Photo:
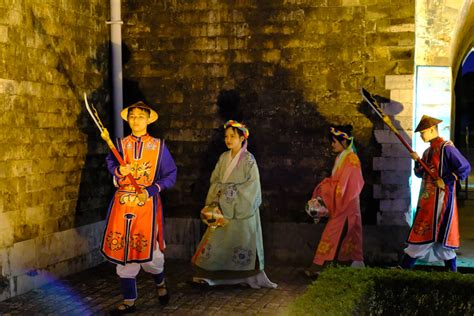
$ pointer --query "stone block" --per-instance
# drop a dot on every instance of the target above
(5, 291)
(406, 39)
(402, 95)
(222, 43)
(29, 88)
(22, 257)
(391, 191)
(218, 71)
(392, 164)
(271, 56)
(346, 3)
(22, 283)
(394, 151)
(395, 177)
(387, 137)
(240, 30)
(8, 86)
(393, 218)
(3, 34)
(175, 97)
(399, 109)
(399, 82)
(4, 262)
(399, 28)
(401, 53)
(395, 205)
(404, 124)
(240, 56)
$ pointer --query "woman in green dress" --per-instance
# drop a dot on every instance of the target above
(232, 251)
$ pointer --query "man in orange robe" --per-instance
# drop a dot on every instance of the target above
(434, 235)
(133, 236)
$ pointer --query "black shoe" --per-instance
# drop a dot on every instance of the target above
(163, 299)
(311, 273)
(123, 309)
(199, 285)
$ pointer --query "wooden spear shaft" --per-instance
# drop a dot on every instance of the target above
(388, 122)
(376, 107)
(105, 136)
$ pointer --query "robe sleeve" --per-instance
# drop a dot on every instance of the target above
(247, 195)
(215, 182)
(457, 166)
(166, 174)
(342, 187)
(350, 183)
(418, 169)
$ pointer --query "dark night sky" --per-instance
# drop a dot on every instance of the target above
(468, 65)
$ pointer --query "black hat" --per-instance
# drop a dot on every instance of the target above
(427, 122)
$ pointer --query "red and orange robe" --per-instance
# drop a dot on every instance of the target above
(436, 218)
(133, 229)
(340, 193)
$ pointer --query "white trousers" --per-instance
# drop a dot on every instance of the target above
(430, 252)
(130, 270)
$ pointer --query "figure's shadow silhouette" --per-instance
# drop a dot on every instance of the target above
(391, 108)
(229, 108)
(95, 188)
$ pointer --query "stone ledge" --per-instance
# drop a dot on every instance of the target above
(35, 262)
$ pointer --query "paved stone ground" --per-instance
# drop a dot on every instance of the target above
(96, 291)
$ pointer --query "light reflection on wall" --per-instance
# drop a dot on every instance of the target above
(433, 98)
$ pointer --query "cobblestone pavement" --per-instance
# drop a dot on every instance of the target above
(96, 291)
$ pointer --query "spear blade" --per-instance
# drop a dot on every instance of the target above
(92, 112)
(105, 136)
(378, 109)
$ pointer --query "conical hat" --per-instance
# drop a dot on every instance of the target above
(426, 122)
(140, 105)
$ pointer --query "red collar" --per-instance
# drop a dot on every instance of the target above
(436, 142)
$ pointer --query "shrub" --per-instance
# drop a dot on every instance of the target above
(375, 291)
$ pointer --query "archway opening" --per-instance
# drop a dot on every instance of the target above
(464, 141)
(464, 119)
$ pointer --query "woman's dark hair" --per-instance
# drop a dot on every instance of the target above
(342, 128)
(235, 129)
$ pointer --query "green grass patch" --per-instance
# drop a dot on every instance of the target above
(375, 291)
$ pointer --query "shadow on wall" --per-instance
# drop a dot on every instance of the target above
(391, 108)
(288, 136)
(96, 188)
(229, 108)
(92, 198)
(131, 90)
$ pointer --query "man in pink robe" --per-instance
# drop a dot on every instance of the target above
(340, 194)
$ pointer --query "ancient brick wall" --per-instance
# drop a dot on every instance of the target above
(435, 26)
(51, 159)
(288, 68)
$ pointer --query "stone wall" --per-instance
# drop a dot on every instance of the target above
(51, 158)
(435, 26)
(289, 69)
(462, 38)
